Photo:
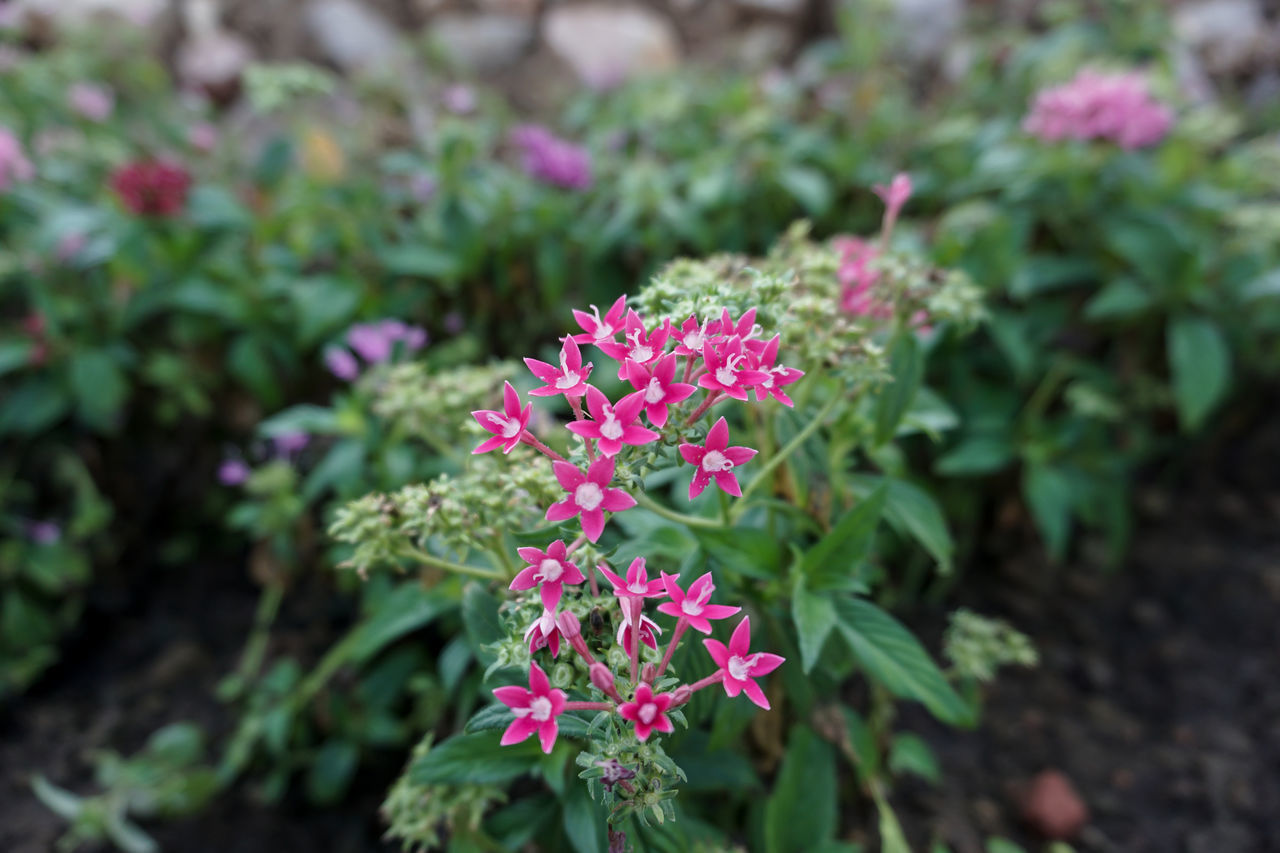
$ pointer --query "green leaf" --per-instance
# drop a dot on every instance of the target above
(1265, 285)
(409, 608)
(894, 658)
(60, 801)
(1050, 495)
(419, 261)
(976, 455)
(1121, 299)
(892, 839)
(809, 187)
(910, 754)
(32, 407)
(584, 821)
(331, 772)
(322, 305)
(906, 365)
(477, 759)
(909, 507)
(14, 355)
(801, 811)
(1043, 273)
(214, 207)
(866, 750)
(99, 386)
(745, 551)
(480, 616)
(833, 562)
(1200, 364)
(308, 418)
(815, 617)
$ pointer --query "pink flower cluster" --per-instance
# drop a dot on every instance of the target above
(666, 365)
(1094, 105)
(553, 160)
(375, 343)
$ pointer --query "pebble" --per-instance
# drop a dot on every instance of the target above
(607, 43)
(1053, 808)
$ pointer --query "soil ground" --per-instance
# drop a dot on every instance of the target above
(1157, 693)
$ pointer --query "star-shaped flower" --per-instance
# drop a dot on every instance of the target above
(638, 345)
(740, 667)
(648, 711)
(776, 375)
(544, 633)
(649, 632)
(693, 336)
(508, 426)
(589, 495)
(613, 425)
(637, 583)
(536, 709)
(569, 379)
(657, 386)
(693, 606)
(597, 330)
(549, 570)
(715, 459)
(726, 369)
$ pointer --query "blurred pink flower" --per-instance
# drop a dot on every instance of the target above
(91, 101)
(15, 168)
(203, 137)
(233, 472)
(342, 363)
(1094, 105)
(551, 159)
(460, 99)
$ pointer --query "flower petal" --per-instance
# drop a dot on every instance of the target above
(562, 511)
(718, 652)
(567, 475)
(512, 696)
(740, 642)
(718, 436)
(755, 694)
(765, 664)
(616, 500)
(592, 524)
(547, 734)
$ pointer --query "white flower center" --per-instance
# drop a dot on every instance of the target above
(610, 428)
(568, 380)
(588, 496)
(646, 713)
(654, 392)
(739, 667)
(550, 570)
(715, 461)
(510, 427)
(726, 376)
(540, 708)
(690, 607)
(642, 354)
(694, 340)
(638, 587)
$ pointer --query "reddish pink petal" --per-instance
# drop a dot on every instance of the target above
(731, 687)
(765, 664)
(520, 728)
(636, 374)
(572, 574)
(740, 642)
(558, 699)
(513, 696)
(616, 500)
(490, 444)
(572, 354)
(532, 555)
(547, 734)
(718, 436)
(739, 455)
(562, 511)
(567, 475)
(628, 408)
(586, 429)
(525, 578)
(618, 583)
(485, 417)
(663, 724)
(538, 682)
(673, 589)
(545, 372)
(592, 524)
(550, 593)
(692, 453)
(596, 401)
(719, 611)
(510, 400)
(601, 472)
(718, 652)
(638, 435)
(642, 730)
(670, 609)
(629, 711)
(699, 623)
(728, 481)
(700, 480)
(755, 694)
(678, 392)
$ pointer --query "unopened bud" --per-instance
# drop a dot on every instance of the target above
(681, 695)
(602, 677)
(570, 627)
(648, 673)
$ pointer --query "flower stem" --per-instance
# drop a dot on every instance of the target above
(712, 396)
(431, 560)
(529, 439)
(670, 514)
(635, 642)
(787, 449)
(681, 624)
(588, 706)
(714, 678)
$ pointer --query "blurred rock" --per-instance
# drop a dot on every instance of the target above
(81, 12)
(1225, 34)
(926, 28)
(1053, 808)
(484, 42)
(777, 7)
(211, 59)
(351, 34)
(605, 44)
(763, 45)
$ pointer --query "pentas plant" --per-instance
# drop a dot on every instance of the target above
(675, 375)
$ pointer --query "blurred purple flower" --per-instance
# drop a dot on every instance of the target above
(233, 472)
(15, 168)
(460, 99)
(1116, 107)
(44, 532)
(203, 137)
(374, 342)
(552, 160)
(91, 101)
(342, 363)
(289, 443)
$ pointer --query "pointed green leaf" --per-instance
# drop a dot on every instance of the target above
(1200, 365)
(833, 561)
(815, 617)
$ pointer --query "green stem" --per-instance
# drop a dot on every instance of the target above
(428, 559)
(670, 514)
(778, 458)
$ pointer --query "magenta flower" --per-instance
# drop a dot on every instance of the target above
(342, 363)
(894, 195)
(693, 606)
(693, 336)
(508, 426)
(648, 711)
(613, 425)
(536, 709)
(549, 570)
(91, 101)
(637, 583)
(740, 667)
(657, 387)
(570, 379)
(544, 633)
(1114, 107)
(649, 631)
(776, 375)
(551, 159)
(715, 459)
(374, 342)
(289, 443)
(744, 327)
(233, 472)
(589, 495)
(639, 345)
(597, 330)
(725, 371)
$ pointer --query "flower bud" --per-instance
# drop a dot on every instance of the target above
(602, 677)
(648, 673)
(681, 695)
(570, 627)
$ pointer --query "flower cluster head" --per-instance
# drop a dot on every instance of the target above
(152, 188)
(553, 160)
(1095, 105)
(91, 101)
(375, 343)
(15, 168)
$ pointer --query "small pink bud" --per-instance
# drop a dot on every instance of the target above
(602, 678)
(681, 694)
(569, 625)
(648, 673)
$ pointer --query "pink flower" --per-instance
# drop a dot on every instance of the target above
(693, 607)
(744, 327)
(657, 386)
(570, 379)
(724, 369)
(694, 336)
(894, 195)
(858, 278)
(536, 709)
(549, 570)
(715, 459)
(544, 633)
(152, 188)
(91, 101)
(375, 342)
(1115, 107)
(637, 585)
(648, 632)
(776, 376)
(648, 711)
(203, 137)
(459, 99)
(596, 330)
(639, 346)
(551, 159)
(508, 426)
(589, 495)
(613, 425)
(15, 168)
(233, 472)
(342, 363)
(740, 666)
